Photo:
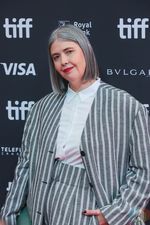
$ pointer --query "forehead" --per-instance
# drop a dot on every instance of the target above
(60, 45)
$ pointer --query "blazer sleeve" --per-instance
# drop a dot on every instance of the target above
(127, 206)
(16, 197)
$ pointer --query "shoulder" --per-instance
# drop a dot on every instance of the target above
(114, 91)
(47, 101)
(105, 87)
(121, 97)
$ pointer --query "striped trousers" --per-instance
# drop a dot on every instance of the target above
(69, 194)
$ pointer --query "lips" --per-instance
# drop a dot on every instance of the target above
(67, 70)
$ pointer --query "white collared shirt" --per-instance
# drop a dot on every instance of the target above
(73, 118)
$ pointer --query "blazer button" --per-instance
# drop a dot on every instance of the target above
(51, 152)
(91, 185)
(82, 153)
(44, 182)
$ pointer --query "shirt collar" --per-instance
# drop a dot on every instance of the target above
(83, 94)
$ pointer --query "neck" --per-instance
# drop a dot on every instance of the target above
(80, 86)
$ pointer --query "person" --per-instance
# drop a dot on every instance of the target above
(85, 155)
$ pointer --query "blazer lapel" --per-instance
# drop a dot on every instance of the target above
(46, 158)
(89, 146)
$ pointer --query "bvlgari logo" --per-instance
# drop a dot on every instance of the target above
(134, 72)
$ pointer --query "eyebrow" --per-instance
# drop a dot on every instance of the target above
(65, 49)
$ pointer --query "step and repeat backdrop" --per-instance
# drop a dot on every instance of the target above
(119, 33)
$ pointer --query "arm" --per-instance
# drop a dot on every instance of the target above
(134, 195)
(17, 195)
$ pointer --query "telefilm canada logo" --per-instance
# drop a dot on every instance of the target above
(10, 151)
(18, 28)
(19, 69)
(133, 28)
(17, 110)
(85, 26)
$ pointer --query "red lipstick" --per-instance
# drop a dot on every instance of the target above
(67, 70)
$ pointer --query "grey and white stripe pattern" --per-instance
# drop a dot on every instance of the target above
(69, 194)
(115, 148)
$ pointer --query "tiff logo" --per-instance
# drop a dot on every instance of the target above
(18, 110)
(18, 28)
(133, 28)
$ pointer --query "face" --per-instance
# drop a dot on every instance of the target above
(68, 59)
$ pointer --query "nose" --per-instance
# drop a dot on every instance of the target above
(64, 59)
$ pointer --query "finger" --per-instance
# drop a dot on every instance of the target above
(2, 222)
(91, 212)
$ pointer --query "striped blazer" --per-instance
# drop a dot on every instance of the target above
(115, 148)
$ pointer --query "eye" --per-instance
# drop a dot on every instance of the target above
(68, 52)
(55, 57)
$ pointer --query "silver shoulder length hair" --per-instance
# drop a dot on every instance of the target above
(72, 33)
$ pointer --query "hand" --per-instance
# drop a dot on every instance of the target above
(98, 214)
(2, 222)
